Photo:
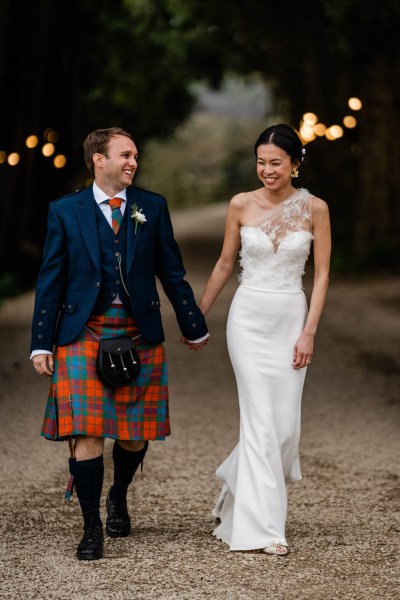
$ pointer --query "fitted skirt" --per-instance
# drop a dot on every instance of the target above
(80, 404)
(263, 327)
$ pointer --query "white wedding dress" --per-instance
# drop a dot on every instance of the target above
(266, 318)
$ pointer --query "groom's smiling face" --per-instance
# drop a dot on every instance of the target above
(115, 169)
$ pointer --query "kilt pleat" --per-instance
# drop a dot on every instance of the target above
(80, 404)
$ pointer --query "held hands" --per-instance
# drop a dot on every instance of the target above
(44, 364)
(303, 351)
(193, 346)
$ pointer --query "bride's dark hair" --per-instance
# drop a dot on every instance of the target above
(285, 138)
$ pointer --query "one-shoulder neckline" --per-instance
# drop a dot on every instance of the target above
(267, 211)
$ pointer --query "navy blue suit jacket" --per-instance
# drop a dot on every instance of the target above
(70, 277)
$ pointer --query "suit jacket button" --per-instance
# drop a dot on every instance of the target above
(113, 295)
(40, 323)
(117, 241)
(43, 311)
(40, 336)
(98, 284)
(190, 313)
(184, 302)
(194, 325)
(69, 306)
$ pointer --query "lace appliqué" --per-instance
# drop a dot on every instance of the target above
(276, 245)
(293, 214)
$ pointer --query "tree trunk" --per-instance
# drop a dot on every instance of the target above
(377, 224)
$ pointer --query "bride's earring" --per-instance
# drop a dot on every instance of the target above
(294, 174)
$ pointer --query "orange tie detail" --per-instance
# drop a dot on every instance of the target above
(115, 204)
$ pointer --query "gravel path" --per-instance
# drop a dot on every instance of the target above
(343, 523)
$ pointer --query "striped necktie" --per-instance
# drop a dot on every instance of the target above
(116, 214)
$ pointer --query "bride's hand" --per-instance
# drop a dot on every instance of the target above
(193, 345)
(303, 351)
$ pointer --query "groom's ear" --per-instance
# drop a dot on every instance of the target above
(98, 160)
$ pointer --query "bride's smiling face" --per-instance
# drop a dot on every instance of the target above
(274, 167)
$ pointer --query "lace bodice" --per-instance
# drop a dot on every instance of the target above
(276, 245)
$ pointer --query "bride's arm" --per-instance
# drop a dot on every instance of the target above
(226, 262)
(322, 250)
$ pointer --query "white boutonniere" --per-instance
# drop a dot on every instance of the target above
(137, 216)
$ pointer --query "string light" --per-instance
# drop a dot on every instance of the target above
(307, 133)
(13, 159)
(334, 132)
(319, 129)
(50, 135)
(310, 128)
(350, 122)
(59, 161)
(48, 149)
(355, 103)
(32, 141)
(310, 118)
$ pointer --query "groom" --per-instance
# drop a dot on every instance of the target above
(104, 249)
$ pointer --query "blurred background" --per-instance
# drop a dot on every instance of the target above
(196, 81)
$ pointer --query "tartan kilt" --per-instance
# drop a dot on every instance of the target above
(80, 404)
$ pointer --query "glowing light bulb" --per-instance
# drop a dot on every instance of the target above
(350, 122)
(31, 141)
(48, 149)
(3, 157)
(336, 131)
(319, 129)
(59, 161)
(13, 159)
(307, 133)
(310, 118)
(355, 103)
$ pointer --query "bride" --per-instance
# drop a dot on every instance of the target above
(270, 335)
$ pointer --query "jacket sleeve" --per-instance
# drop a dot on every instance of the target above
(50, 285)
(171, 273)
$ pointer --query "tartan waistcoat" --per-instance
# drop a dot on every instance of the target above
(113, 257)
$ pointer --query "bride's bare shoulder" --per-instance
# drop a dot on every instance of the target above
(319, 207)
(243, 200)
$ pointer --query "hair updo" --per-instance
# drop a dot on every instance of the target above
(285, 138)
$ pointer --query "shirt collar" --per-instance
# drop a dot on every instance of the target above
(101, 196)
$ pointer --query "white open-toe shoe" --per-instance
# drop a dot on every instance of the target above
(277, 549)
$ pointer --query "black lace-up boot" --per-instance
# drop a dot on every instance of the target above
(88, 482)
(126, 463)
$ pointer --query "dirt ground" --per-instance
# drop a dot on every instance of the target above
(343, 523)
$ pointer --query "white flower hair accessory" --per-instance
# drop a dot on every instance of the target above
(138, 216)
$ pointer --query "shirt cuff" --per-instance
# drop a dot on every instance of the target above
(199, 340)
(36, 352)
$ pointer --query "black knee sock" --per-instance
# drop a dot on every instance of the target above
(88, 481)
(125, 466)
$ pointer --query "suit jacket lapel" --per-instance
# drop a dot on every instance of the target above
(133, 196)
(88, 225)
